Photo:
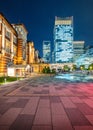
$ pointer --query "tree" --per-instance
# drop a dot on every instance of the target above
(82, 67)
(74, 67)
(66, 68)
(46, 70)
(90, 67)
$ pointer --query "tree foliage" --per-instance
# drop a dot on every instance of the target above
(47, 70)
(66, 68)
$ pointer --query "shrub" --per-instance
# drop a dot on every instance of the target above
(47, 70)
(8, 79)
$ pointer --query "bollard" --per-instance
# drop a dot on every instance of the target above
(5, 80)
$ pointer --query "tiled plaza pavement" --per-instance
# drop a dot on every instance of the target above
(46, 103)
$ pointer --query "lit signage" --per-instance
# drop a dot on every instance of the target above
(11, 72)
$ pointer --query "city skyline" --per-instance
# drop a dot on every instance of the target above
(38, 17)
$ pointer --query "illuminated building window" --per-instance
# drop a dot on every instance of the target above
(15, 39)
(15, 50)
(20, 29)
(24, 55)
(7, 47)
(8, 35)
(24, 44)
(0, 27)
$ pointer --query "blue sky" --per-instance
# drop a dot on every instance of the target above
(38, 17)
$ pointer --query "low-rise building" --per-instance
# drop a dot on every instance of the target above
(8, 45)
(22, 41)
(16, 54)
(30, 52)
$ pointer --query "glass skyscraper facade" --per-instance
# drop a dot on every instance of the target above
(47, 51)
(78, 49)
(63, 40)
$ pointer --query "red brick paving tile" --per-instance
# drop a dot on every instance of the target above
(25, 97)
(55, 99)
(31, 106)
(43, 116)
(88, 102)
(67, 92)
(45, 91)
(83, 97)
(44, 97)
(14, 92)
(25, 89)
(13, 99)
(59, 128)
(41, 108)
(67, 102)
(90, 84)
(37, 92)
(76, 100)
(0, 115)
(4, 127)
(5, 107)
(41, 128)
(77, 92)
(83, 127)
(61, 122)
(91, 98)
(20, 103)
(84, 108)
(90, 118)
(46, 85)
(9, 116)
(90, 90)
(60, 92)
(76, 117)
(39, 89)
(57, 109)
(3, 100)
(44, 103)
(59, 88)
(23, 122)
(52, 90)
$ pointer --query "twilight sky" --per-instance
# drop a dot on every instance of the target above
(38, 17)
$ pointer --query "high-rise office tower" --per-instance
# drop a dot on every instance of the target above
(78, 49)
(47, 51)
(63, 40)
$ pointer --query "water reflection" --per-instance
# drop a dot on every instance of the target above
(75, 77)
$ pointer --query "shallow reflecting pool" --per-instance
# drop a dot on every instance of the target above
(75, 77)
